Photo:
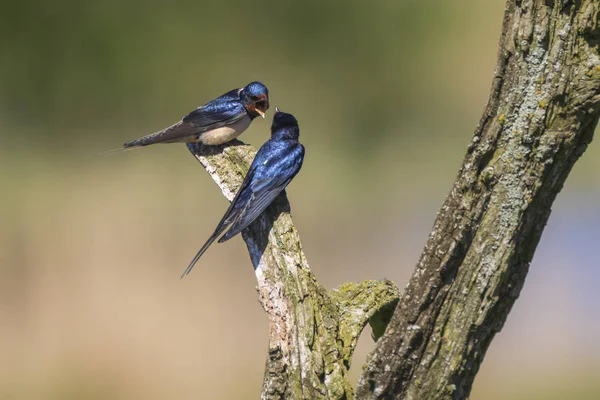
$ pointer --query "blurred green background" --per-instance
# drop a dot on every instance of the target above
(387, 93)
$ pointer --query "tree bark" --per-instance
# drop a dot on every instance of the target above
(540, 118)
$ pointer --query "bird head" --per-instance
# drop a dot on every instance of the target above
(255, 97)
(282, 120)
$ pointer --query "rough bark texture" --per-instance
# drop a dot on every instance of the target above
(312, 333)
(541, 115)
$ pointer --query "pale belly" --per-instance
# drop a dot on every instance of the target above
(225, 133)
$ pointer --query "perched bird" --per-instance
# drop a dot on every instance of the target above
(275, 165)
(218, 121)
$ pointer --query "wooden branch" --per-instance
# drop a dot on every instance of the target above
(312, 333)
(540, 118)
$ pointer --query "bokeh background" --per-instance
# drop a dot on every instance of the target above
(387, 93)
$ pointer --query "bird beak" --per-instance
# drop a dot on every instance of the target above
(262, 114)
(276, 110)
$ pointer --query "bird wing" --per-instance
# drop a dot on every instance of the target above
(271, 177)
(274, 166)
(223, 110)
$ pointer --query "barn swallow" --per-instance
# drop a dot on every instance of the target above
(218, 121)
(275, 165)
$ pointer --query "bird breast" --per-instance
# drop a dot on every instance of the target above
(225, 133)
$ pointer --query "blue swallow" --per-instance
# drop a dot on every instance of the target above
(218, 121)
(275, 165)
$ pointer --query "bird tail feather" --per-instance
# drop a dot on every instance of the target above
(178, 132)
(201, 252)
(118, 150)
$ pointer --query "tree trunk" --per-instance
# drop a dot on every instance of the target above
(540, 118)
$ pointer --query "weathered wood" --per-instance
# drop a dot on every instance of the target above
(540, 118)
(312, 333)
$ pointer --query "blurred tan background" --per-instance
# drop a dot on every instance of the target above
(387, 93)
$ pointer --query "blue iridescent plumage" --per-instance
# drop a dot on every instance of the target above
(275, 165)
(216, 122)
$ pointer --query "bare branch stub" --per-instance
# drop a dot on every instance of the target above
(540, 118)
(370, 302)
